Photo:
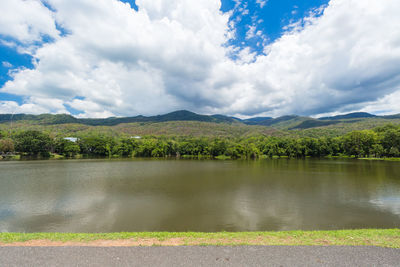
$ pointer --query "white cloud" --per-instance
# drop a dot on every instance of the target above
(172, 55)
(245, 12)
(27, 20)
(6, 64)
(92, 110)
(251, 33)
(262, 3)
(385, 105)
(12, 107)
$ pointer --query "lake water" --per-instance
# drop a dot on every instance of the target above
(198, 195)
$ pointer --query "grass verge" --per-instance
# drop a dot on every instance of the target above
(385, 159)
(371, 237)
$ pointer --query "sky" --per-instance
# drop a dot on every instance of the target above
(102, 58)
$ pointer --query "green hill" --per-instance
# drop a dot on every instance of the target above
(181, 115)
(353, 115)
(184, 122)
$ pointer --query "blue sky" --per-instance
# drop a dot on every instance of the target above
(242, 42)
(270, 17)
(15, 59)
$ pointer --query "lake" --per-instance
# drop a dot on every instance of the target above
(198, 195)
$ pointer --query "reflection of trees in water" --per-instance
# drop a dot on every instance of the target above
(151, 195)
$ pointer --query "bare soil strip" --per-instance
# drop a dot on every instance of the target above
(156, 242)
(98, 243)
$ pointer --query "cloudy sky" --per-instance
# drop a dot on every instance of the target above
(101, 58)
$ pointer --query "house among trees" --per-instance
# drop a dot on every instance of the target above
(72, 139)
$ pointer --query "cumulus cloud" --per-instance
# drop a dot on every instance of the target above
(26, 21)
(172, 55)
(385, 105)
(12, 107)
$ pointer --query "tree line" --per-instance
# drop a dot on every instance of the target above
(379, 142)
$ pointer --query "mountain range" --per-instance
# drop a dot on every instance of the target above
(290, 122)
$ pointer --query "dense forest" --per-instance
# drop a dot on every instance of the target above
(379, 142)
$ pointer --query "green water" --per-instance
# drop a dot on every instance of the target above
(197, 195)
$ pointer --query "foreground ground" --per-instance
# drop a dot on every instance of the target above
(200, 256)
(389, 238)
(371, 247)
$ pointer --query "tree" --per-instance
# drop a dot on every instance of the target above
(359, 143)
(394, 152)
(3, 134)
(251, 151)
(146, 147)
(71, 148)
(33, 143)
(377, 150)
(235, 151)
(96, 145)
(66, 147)
(125, 147)
(391, 141)
(6, 145)
(273, 147)
(218, 147)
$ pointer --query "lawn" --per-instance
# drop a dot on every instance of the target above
(364, 237)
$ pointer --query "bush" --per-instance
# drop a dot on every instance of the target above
(6, 145)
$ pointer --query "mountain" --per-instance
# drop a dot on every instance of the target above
(256, 120)
(224, 118)
(314, 123)
(395, 116)
(180, 115)
(281, 123)
(354, 115)
(43, 118)
(278, 120)
(358, 120)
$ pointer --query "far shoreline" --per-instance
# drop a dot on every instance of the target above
(55, 156)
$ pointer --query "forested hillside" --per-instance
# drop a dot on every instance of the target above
(379, 142)
(184, 133)
(183, 123)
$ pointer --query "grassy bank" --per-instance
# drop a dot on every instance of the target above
(54, 156)
(385, 159)
(371, 237)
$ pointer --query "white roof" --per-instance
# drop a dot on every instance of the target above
(72, 139)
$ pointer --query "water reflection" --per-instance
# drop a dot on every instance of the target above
(190, 195)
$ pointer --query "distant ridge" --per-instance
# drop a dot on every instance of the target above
(257, 120)
(283, 122)
(278, 120)
(180, 115)
(315, 123)
(353, 115)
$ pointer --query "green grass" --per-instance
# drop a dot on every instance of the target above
(371, 237)
(56, 156)
(13, 157)
(386, 159)
(223, 157)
